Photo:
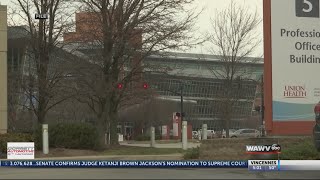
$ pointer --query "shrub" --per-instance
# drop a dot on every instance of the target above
(303, 150)
(193, 153)
(37, 136)
(69, 135)
(13, 137)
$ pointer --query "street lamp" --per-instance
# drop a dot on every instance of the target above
(181, 113)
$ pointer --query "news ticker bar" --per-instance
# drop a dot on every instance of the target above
(252, 165)
(122, 164)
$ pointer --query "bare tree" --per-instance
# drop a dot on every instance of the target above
(46, 84)
(129, 31)
(233, 38)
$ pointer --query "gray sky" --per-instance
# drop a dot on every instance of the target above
(210, 7)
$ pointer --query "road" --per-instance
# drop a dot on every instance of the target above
(38, 173)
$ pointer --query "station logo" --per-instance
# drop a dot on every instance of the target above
(294, 91)
(263, 149)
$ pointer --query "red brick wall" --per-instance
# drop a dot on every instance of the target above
(89, 28)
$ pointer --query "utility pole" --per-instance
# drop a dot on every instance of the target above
(262, 108)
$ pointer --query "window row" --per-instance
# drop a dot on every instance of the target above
(165, 88)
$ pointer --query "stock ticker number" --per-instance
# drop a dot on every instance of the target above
(20, 163)
(307, 8)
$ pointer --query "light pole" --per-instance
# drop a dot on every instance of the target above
(181, 103)
(181, 109)
(177, 93)
(262, 107)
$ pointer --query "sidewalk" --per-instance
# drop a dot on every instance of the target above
(117, 157)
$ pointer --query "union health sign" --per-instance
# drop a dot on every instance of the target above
(295, 52)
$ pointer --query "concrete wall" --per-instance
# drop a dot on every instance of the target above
(3, 70)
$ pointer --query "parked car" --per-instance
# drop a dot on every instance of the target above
(195, 134)
(211, 134)
(245, 133)
(231, 131)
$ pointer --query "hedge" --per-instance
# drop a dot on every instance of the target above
(70, 136)
(63, 135)
(193, 153)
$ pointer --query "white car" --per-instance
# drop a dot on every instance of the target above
(245, 133)
(231, 131)
(210, 134)
(195, 134)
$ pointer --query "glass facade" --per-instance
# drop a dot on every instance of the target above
(15, 59)
(207, 91)
(187, 71)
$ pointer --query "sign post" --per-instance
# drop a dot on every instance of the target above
(45, 139)
(152, 137)
(184, 135)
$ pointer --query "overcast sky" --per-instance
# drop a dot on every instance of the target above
(210, 7)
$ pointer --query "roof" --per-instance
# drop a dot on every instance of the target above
(81, 49)
(167, 55)
(200, 57)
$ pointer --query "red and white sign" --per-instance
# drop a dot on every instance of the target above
(20, 150)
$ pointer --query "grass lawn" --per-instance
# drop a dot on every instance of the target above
(160, 141)
(129, 150)
(293, 148)
(303, 150)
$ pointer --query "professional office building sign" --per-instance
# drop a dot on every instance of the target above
(295, 38)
